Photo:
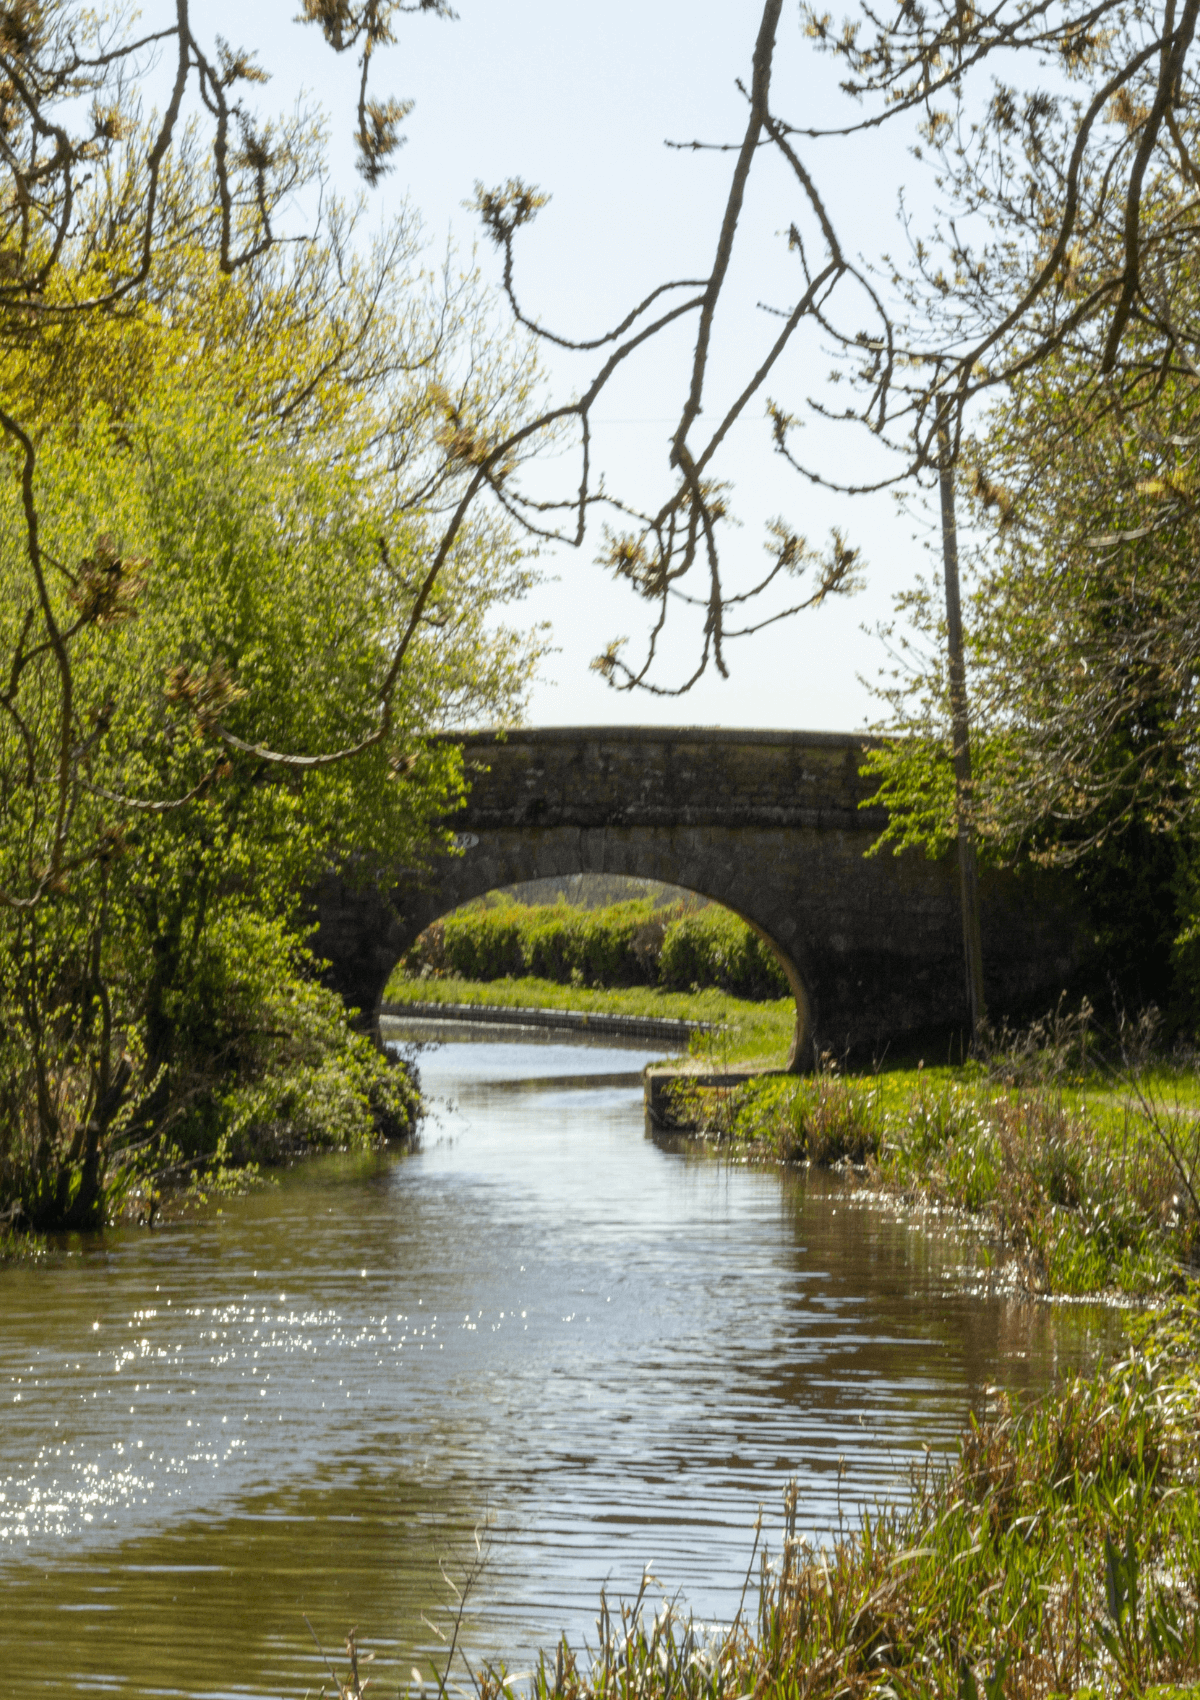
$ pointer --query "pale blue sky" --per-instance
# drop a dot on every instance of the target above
(579, 100)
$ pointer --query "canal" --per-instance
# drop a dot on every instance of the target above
(599, 1350)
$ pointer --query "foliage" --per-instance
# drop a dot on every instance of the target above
(148, 1010)
(716, 948)
(614, 945)
(265, 1056)
(590, 891)
(225, 469)
(1081, 641)
(1083, 638)
(914, 775)
(621, 944)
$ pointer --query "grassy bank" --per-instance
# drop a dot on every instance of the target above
(1075, 1182)
(16, 1247)
(1078, 1188)
(751, 1031)
(1059, 1553)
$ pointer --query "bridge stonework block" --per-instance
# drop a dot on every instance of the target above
(767, 823)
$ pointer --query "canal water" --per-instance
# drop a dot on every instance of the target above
(596, 1350)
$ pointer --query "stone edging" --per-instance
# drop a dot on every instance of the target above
(783, 737)
(662, 1084)
(564, 1020)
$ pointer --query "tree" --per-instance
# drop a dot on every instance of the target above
(1069, 162)
(244, 581)
(226, 477)
(1082, 639)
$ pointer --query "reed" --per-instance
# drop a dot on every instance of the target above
(1057, 1553)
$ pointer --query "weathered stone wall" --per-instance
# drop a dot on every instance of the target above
(767, 823)
(649, 776)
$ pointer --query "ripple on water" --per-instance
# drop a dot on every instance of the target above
(617, 1352)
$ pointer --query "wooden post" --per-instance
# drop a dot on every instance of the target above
(960, 732)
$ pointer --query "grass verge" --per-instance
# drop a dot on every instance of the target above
(753, 1032)
(1080, 1189)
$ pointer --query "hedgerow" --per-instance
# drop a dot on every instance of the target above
(713, 947)
(624, 944)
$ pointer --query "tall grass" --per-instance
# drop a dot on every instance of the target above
(1058, 1553)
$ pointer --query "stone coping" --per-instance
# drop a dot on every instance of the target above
(661, 1081)
(563, 1020)
(664, 735)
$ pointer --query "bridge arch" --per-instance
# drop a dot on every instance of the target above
(488, 862)
(770, 825)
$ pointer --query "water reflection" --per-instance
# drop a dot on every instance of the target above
(304, 1402)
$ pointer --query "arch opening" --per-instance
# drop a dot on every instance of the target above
(598, 930)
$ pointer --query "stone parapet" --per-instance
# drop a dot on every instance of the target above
(674, 776)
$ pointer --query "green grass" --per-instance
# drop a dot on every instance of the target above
(19, 1247)
(1077, 1189)
(754, 1032)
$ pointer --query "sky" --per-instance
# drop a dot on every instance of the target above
(580, 99)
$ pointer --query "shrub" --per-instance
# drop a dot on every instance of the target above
(716, 948)
(263, 1064)
(614, 946)
(624, 944)
(484, 944)
(289, 1073)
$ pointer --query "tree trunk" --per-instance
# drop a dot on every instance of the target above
(960, 731)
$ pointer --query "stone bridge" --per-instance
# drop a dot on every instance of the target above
(767, 823)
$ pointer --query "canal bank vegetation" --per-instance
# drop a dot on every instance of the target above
(683, 944)
(1077, 1166)
(211, 523)
(1057, 1554)
(1079, 632)
(747, 1031)
(606, 945)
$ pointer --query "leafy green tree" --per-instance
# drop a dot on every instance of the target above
(213, 571)
(227, 459)
(1083, 651)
